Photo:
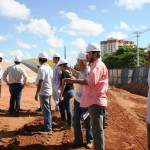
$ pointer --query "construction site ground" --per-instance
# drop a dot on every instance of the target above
(126, 128)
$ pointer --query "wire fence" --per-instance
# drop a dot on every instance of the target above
(127, 75)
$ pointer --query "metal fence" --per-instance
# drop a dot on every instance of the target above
(128, 75)
(116, 76)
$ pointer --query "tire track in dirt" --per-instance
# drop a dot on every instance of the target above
(126, 129)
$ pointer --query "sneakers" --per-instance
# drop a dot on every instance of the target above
(46, 131)
(1, 110)
(89, 145)
(66, 127)
(39, 109)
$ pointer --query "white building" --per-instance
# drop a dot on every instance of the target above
(112, 44)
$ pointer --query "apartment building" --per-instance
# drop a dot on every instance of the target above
(112, 44)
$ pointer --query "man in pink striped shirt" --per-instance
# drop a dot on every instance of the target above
(94, 93)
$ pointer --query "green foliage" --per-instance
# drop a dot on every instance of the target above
(125, 57)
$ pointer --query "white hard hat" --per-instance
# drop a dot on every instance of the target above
(148, 48)
(1, 55)
(92, 47)
(56, 55)
(43, 55)
(18, 59)
(62, 61)
(82, 56)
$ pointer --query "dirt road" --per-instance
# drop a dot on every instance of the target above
(126, 130)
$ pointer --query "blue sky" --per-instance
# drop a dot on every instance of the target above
(28, 27)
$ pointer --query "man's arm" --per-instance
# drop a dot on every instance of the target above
(5, 76)
(25, 78)
(77, 81)
(75, 73)
(39, 86)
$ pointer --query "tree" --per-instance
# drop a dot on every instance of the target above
(125, 57)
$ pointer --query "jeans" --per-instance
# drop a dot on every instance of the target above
(15, 90)
(96, 113)
(65, 105)
(148, 135)
(78, 112)
(46, 111)
(55, 95)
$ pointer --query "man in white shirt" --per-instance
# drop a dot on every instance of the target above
(44, 91)
(148, 111)
(15, 73)
(56, 80)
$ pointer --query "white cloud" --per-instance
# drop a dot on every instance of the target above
(37, 26)
(52, 51)
(13, 9)
(11, 54)
(79, 26)
(104, 10)
(3, 38)
(74, 52)
(25, 45)
(55, 41)
(79, 43)
(131, 4)
(92, 7)
(42, 27)
(131, 28)
(117, 35)
(123, 25)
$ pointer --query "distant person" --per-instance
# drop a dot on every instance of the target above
(94, 93)
(44, 91)
(15, 73)
(67, 93)
(56, 80)
(148, 112)
(79, 111)
(1, 76)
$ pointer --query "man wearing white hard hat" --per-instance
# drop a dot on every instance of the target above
(66, 94)
(79, 111)
(148, 111)
(1, 75)
(44, 91)
(94, 93)
(56, 80)
(15, 73)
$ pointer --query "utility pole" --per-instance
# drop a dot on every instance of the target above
(65, 51)
(137, 39)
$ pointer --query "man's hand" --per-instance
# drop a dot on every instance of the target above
(36, 97)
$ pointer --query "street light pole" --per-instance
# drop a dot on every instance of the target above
(137, 36)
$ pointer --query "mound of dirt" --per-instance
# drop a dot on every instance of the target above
(136, 88)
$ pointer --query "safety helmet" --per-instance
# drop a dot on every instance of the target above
(56, 55)
(62, 61)
(148, 48)
(1, 55)
(18, 59)
(82, 56)
(92, 47)
(43, 55)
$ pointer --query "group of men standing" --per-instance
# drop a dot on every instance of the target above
(90, 99)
